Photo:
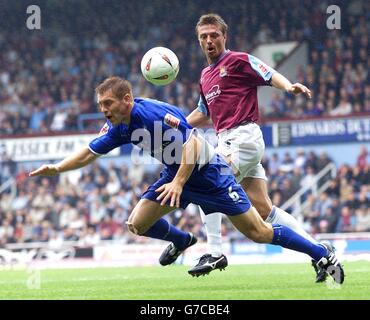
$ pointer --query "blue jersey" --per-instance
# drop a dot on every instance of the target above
(161, 130)
(158, 128)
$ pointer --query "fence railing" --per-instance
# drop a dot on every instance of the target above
(9, 184)
(297, 203)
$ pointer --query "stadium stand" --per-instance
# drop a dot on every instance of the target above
(92, 205)
(51, 86)
(47, 82)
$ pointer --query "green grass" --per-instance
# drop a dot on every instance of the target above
(259, 282)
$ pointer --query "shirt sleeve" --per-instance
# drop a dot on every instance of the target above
(107, 140)
(202, 107)
(259, 73)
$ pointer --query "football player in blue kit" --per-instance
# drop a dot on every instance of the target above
(193, 173)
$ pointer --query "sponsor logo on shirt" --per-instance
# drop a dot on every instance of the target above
(213, 93)
(104, 130)
(263, 69)
(171, 121)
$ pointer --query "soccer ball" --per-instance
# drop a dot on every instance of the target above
(160, 66)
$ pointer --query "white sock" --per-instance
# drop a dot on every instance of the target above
(282, 217)
(212, 222)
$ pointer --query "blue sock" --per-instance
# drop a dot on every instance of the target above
(287, 238)
(165, 231)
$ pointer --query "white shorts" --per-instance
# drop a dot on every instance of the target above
(244, 146)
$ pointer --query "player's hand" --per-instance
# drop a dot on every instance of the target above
(45, 170)
(171, 191)
(298, 88)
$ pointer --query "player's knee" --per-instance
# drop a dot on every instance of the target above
(264, 207)
(135, 228)
(131, 227)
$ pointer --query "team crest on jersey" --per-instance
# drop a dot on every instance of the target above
(223, 72)
(171, 121)
(104, 130)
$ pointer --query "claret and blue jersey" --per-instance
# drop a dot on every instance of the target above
(228, 89)
(161, 130)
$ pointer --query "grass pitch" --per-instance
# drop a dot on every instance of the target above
(239, 282)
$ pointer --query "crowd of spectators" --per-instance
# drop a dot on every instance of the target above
(92, 204)
(47, 80)
(87, 206)
(337, 73)
(47, 76)
(343, 207)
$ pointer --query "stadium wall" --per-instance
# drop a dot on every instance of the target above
(295, 55)
(349, 247)
(340, 153)
(330, 135)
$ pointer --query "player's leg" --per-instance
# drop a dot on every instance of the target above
(243, 149)
(245, 154)
(252, 226)
(212, 224)
(256, 189)
(145, 214)
(213, 259)
(146, 220)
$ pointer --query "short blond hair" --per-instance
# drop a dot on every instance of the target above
(118, 86)
(212, 18)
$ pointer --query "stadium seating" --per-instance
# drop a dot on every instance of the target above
(93, 205)
(48, 78)
(47, 81)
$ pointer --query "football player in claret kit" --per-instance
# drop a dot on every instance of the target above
(193, 172)
(228, 96)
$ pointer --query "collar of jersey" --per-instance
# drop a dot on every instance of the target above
(133, 115)
(220, 58)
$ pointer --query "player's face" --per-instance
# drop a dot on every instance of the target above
(212, 41)
(114, 110)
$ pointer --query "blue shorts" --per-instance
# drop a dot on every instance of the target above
(213, 188)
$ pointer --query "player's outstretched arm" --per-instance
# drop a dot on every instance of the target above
(280, 82)
(197, 119)
(72, 162)
(172, 191)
